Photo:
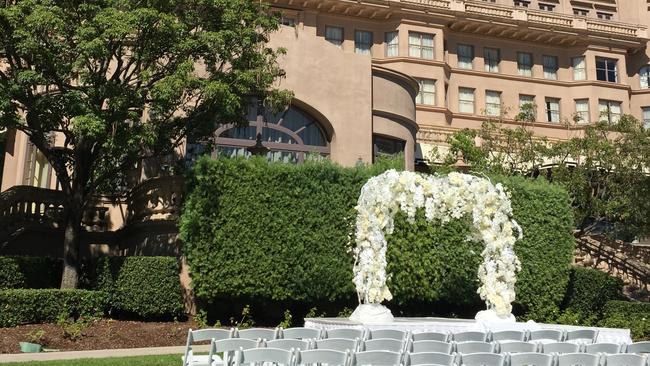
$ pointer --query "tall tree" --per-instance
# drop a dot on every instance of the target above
(99, 85)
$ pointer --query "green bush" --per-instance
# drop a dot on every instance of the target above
(25, 306)
(264, 231)
(147, 287)
(588, 292)
(626, 314)
(30, 272)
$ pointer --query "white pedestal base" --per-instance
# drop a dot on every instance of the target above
(371, 314)
(490, 316)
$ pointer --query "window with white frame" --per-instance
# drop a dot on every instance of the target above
(466, 100)
(646, 117)
(582, 111)
(465, 56)
(427, 93)
(524, 3)
(525, 63)
(580, 12)
(547, 7)
(606, 69)
(421, 45)
(552, 110)
(604, 16)
(550, 67)
(491, 58)
(493, 103)
(392, 44)
(363, 42)
(579, 68)
(334, 35)
(610, 110)
(644, 76)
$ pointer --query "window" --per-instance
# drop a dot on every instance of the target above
(392, 44)
(644, 75)
(604, 16)
(525, 64)
(606, 69)
(582, 110)
(386, 146)
(421, 45)
(646, 117)
(492, 103)
(427, 93)
(579, 68)
(363, 42)
(552, 110)
(466, 100)
(526, 99)
(610, 109)
(491, 59)
(550, 67)
(527, 108)
(547, 7)
(334, 35)
(465, 56)
(290, 22)
(580, 12)
(523, 3)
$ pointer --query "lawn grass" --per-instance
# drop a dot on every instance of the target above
(159, 360)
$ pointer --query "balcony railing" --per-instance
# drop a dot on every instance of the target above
(155, 199)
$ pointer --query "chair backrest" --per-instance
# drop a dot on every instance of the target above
(264, 356)
(386, 344)
(517, 347)
(431, 336)
(582, 336)
(530, 359)
(288, 344)
(337, 344)
(430, 358)
(560, 347)
(638, 347)
(470, 337)
(548, 335)
(431, 346)
(349, 333)
(482, 359)
(474, 347)
(201, 335)
(603, 348)
(376, 358)
(625, 359)
(300, 333)
(388, 334)
(509, 335)
(578, 359)
(228, 347)
(258, 333)
(323, 356)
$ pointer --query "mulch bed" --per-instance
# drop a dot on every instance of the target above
(100, 334)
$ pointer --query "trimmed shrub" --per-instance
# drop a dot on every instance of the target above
(30, 272)
(627, 314)
(588, 292)
(262, 231)
(147, 287)
(25, 306)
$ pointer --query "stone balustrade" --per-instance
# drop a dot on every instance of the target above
(155, 199)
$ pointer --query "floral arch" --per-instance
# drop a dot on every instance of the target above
(443, 198)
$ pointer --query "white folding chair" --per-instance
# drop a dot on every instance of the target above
(482, 359)
(517, 347)
(638, 347)
(546, 336)
(258, 333)
(349, 333)
(602, 348)
(386, 344)
(378, 358)
(202, 335)
(289, 344)
(228, 347)
(474, 347)
(578, 359)
(388, 334)
(430, 358)
(264, 356)
(508, 335)
(431, 346)
(337, 344)
(323, 357)
(300, 333)
(559, 347)
(470, 337)
(581, 336)
(530, 359)
(431, 336)
(624, 359)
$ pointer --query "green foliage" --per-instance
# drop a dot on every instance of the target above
(148, 287)
(29, 272)
(275, 232)
(626, 314)
(588, 292)
(246, 320)
(287, 321)
(26, 306)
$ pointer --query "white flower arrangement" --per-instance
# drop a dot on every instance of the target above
(443, 198)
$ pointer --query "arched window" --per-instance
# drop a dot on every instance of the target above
(290, 136)
(644, 75)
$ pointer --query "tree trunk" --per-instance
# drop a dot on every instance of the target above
(72, 241)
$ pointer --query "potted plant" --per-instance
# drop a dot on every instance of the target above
(34, 342)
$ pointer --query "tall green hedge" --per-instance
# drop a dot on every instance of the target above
(258, 230)
(588, 291)
(147, 287)
(30, 272)
(628, 314)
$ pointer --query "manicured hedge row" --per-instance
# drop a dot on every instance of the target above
(588, 292)
(147, 287)
(24, 306)
(30, 272)
(627, 314)
(258, 230)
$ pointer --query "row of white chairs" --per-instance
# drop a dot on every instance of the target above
(293, 357)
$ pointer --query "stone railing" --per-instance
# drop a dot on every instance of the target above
(155, 199)
(614, 28)
(498, 12)
(443, 4)
(550, 19)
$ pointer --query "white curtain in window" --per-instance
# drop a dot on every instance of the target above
(492, 103)
(646, 118)
(465, 100)
(427, 46)
(550, 67)
(525, 64)
(392, 44)
(553, 110)
(427, 93)
(414, 44)
(526, 99)
(582, 110)
(610, 110)
(579, 68)
(644, 74)
(491, 59)
(465, 56)
(363, 42)
(334, 35)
